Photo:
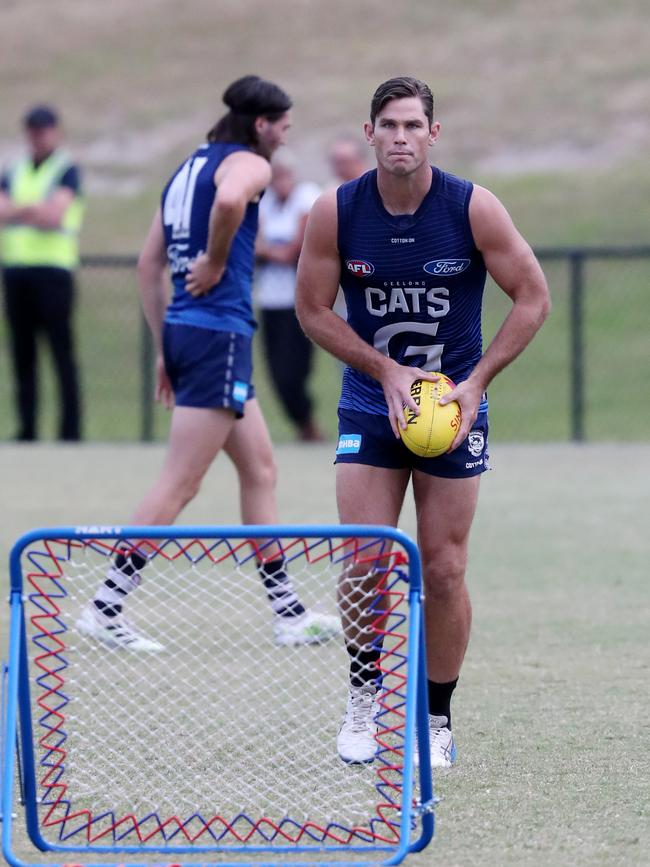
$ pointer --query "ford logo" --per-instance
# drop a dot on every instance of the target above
(446, 267)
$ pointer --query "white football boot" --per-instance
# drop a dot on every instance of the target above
(312, 627)
(356, 741)
(441, 744)
(114, 631)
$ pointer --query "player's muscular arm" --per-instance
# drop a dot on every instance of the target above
(239, 178)
(317, 284)
(513, 266)
(153, 295)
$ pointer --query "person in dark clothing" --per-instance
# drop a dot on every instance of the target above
(41, 210)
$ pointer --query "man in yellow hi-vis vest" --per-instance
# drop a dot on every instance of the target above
(40, 218)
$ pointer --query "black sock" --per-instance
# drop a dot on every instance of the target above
(363, 666)
(108, 609)
(116, 586)
(129, 563)
(440, 698)
(279, 589)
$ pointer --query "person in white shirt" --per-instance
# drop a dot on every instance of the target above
(283, 215)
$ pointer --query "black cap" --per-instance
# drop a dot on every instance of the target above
(41, 116)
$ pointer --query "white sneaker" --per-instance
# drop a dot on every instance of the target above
(441, 744)
(356, 740)
(114, 631)
(312, 627)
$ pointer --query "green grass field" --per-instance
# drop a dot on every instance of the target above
(551, 712)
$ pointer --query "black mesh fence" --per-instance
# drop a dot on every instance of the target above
(584, 377)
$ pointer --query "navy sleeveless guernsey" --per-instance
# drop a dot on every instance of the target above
(186, 203)
(413, 284)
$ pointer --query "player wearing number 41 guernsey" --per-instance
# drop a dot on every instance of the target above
(204, 231)
(411, 246)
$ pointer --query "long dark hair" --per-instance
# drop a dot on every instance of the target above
(248, 98)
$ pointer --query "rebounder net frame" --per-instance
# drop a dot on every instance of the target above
(220, 747)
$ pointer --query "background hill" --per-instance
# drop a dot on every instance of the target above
(545, 103)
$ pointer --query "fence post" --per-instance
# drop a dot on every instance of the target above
(146, 374)
(577, 393)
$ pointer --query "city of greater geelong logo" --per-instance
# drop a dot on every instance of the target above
(359, 268)
(446, 267)
(475, 443)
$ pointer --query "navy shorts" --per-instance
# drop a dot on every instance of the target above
(365, 438)
(208, 369)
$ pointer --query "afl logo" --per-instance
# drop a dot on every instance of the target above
(446, 267)
(359, 268)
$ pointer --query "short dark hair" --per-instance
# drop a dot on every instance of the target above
(402, 87)
(248, 98)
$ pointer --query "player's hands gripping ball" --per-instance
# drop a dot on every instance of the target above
(432, 432)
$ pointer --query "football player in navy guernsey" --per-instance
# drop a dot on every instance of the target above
(204, 232)
(410, 245)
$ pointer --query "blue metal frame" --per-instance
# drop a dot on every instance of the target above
(3, 700)
(18, 699)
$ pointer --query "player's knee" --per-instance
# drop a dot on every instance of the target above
(444, 574)
(184, 490)
(260, 473)
(268, 471)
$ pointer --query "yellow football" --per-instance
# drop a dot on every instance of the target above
(430, 433)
